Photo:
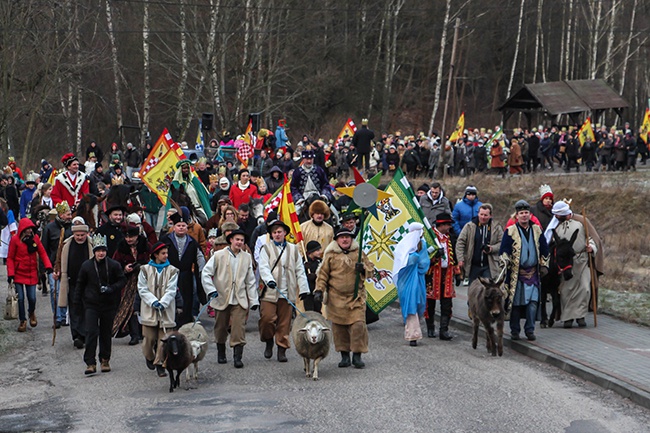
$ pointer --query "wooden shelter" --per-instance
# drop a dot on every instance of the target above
(557, 98)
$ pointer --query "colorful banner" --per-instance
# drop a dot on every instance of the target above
(199, 137)
(460, 127)
(287, 213)
(645, 126)
(160, 165)
(586, 133)
(381, 235)
(273, 202)
(348, 129)
(495, 137)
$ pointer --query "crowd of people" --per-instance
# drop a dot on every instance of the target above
(130, 273)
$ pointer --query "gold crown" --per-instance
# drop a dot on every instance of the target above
(118, 180)
(62, 207)
(213, 178)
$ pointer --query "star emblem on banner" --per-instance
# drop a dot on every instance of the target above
(365, 193)
(382, 242)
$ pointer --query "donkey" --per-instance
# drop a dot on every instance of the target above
(560, 266)
(486, 307)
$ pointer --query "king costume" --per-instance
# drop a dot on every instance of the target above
(70, 187)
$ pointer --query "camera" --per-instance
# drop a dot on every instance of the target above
(486, 249)
(103, 289)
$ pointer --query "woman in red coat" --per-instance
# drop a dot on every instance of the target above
(22, 268)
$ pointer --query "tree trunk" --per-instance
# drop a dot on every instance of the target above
(182, 84)
(147, 87)
(115, 64)
(538, 30)
(567, 51)
(375, 68)
(627, 48)
(518, 40)
(595, 38)
(441, 57)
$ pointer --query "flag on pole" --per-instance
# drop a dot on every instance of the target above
(495, 137)
(53, 176)
(287, 213)
(348, 129)
(273, 202)
(199, 137)
(645, 126)
(460, 127)
(382, 234)
(158, 168)
(586, 133)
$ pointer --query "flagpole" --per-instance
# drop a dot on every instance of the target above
(357, 277)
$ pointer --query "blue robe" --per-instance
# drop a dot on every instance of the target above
(411, 288)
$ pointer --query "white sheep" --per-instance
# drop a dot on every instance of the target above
(198, 338)
(311, 336)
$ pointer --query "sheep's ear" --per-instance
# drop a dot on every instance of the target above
(327, 329)
(202, 344)
(303, 330)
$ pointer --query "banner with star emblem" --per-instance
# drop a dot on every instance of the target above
(381, 235)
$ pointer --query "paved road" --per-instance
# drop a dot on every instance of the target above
(437, 386)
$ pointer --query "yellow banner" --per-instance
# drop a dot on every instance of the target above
(460, 127)
(348, 129)
(586, 132)
(645, 126)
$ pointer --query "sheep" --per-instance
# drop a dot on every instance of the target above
(177, 352)
(486, 306)
(198, 338)
(311, 337)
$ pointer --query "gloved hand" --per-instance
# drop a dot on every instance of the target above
(543, 271)
(158, 306)
(254, 307)
(359, 268)
(438, 254)
(272, 284)
(212, 295)
(49, 270)
(10, 280)
(302, 296)
(458, 280)
(318, 296)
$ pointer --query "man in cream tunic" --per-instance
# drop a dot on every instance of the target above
(229, 283)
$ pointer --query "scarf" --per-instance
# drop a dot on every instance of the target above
(159, 266)
(243, 186)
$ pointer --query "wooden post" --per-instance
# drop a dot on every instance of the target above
(592, 273)
(443, 141)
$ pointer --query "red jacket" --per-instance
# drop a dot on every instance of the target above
(63, 190)
(21, 264)
(239, 196)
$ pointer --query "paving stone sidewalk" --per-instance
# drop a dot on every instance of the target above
(615, 355)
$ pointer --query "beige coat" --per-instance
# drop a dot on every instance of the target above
(289, 274)
(336, 278)
(465, 247)
(236, 284)
(61, 266)
(161, 287)
(323, 234)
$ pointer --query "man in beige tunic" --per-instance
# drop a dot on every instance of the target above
(316, 229)
(229, 283)
(574, 293)
(346, 307)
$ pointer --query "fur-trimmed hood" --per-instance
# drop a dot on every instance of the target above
(335, 248)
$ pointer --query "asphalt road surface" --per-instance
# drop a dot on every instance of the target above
(437, 386)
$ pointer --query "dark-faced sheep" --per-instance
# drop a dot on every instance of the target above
(486, 306)
(198, 338)
(177, 352)
(311, 336)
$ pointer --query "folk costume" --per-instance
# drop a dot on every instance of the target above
(323, 233)
(157, 282)
(70, 187)
(309, 179)
(346, 304)
(440, 281)
(525, 252)
(282, 271)
(229, 276)
(194, 188)
(574, 293)
(410, 266)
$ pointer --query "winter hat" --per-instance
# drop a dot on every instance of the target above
(522, 205)
(229, 226)
(79, 228)
(561, 209)
(44, 163)
(424, 187)
(157, 247)
(68, 159)
(133, 218)
(312, 246)
(344, 232)
(186, 214)
(97, 165)
(471, 190)
(319, 206)
(545, 191)
(444, 218)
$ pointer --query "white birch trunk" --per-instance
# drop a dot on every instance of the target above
(593, 64)
(443, 43)
(610, 41)
(79, 117)
(627, 48)
(115, 64)
(538, 30)
(244, 63)
(375, 69)
(182, 84)
(567, 51)
(514, 60)
(147, 87)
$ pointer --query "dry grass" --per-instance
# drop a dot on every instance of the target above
(617, 204)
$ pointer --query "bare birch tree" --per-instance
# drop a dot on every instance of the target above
(114, 62)
(146, 108)
(443, 43)
(517, 41)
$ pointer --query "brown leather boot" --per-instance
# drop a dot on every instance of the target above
(23, 326)
(105, 366)
(32, 320)
(282, 357)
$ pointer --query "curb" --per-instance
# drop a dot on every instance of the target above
(606, 381)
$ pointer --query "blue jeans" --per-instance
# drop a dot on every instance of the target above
(152, 219)
(31, 299)
(530, 312)
(55, 285)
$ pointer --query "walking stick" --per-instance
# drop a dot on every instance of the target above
(56, 292)
(591, 270)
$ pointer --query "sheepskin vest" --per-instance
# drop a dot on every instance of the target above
(155, 286)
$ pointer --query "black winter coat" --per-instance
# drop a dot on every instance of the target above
(89, 283)
(52, 235)
(362, 139)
